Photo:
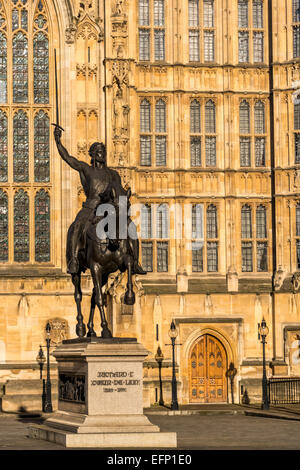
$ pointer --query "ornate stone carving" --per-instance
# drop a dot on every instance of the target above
(297, 179)
(70, 33)
(59, 330)
(296, 281)
(279, 278)
(121, 111)
(118, 9)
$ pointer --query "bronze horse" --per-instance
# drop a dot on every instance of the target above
(102, 257)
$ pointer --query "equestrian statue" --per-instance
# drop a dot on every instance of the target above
(103, 256)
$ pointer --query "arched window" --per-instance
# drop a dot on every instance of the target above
(254, 245)
(244, 118)
(245, 139)
(162, 221)
(145, 116)
(195, 117)
(25, 113)
(259, 118)
(146, 235)
(197, 221)
(146, 222)
(160, 130)
(211, 222)
(210, 117)
(160, 116)
(195, 130)
(211, 236)
(201, 15)
(151, 19)
(261, 222)
(210, 131)
(246, 222)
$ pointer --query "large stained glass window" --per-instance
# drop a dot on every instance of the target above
(25, 113)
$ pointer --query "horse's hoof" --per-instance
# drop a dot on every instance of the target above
(129, 298)
(80, 330)
(106, 333)
(91, 334)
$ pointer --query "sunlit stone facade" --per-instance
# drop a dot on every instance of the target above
(197, 102)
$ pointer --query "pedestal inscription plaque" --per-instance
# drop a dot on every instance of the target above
(101, 397)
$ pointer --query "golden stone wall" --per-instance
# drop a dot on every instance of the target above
(102, 83)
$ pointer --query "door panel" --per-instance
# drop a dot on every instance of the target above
(207, 370)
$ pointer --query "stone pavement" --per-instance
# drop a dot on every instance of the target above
(209, 427)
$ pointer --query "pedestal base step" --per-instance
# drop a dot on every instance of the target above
(115, 440)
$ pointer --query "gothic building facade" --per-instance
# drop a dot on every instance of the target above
(198, 104)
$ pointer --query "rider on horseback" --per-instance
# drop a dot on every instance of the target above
(100, 183)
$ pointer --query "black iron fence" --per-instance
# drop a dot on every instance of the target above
(284, 390)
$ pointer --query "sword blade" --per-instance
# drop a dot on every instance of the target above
(56, 93)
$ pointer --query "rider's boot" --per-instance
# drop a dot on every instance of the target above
(137, 268)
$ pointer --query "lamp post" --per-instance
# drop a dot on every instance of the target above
(263, 331)
(48, 402)
(231, 373)
(173, 335)
(159, 357)
(40, 358)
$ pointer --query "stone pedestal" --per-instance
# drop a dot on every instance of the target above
(100, 397)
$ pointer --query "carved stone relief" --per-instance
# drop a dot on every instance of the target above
(59, 331)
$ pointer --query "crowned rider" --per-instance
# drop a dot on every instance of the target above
(99, 184)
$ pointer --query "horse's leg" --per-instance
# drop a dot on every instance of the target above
(129, 297)
(97, 278)
(90, 325)
(80, 327)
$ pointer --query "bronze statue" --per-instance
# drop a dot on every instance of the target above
(85, 249)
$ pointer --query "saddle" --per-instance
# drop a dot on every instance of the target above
(91, 233)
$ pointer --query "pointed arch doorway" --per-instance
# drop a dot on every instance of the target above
(207, 371)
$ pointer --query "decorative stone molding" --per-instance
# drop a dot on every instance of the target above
(296, 281)
(59, 330)
(70, 32)
(278, 279)
(232, 280)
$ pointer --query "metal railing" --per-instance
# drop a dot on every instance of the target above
(284, 390)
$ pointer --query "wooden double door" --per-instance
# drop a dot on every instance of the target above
(207, 371)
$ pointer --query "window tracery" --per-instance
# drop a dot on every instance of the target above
(24, 154)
